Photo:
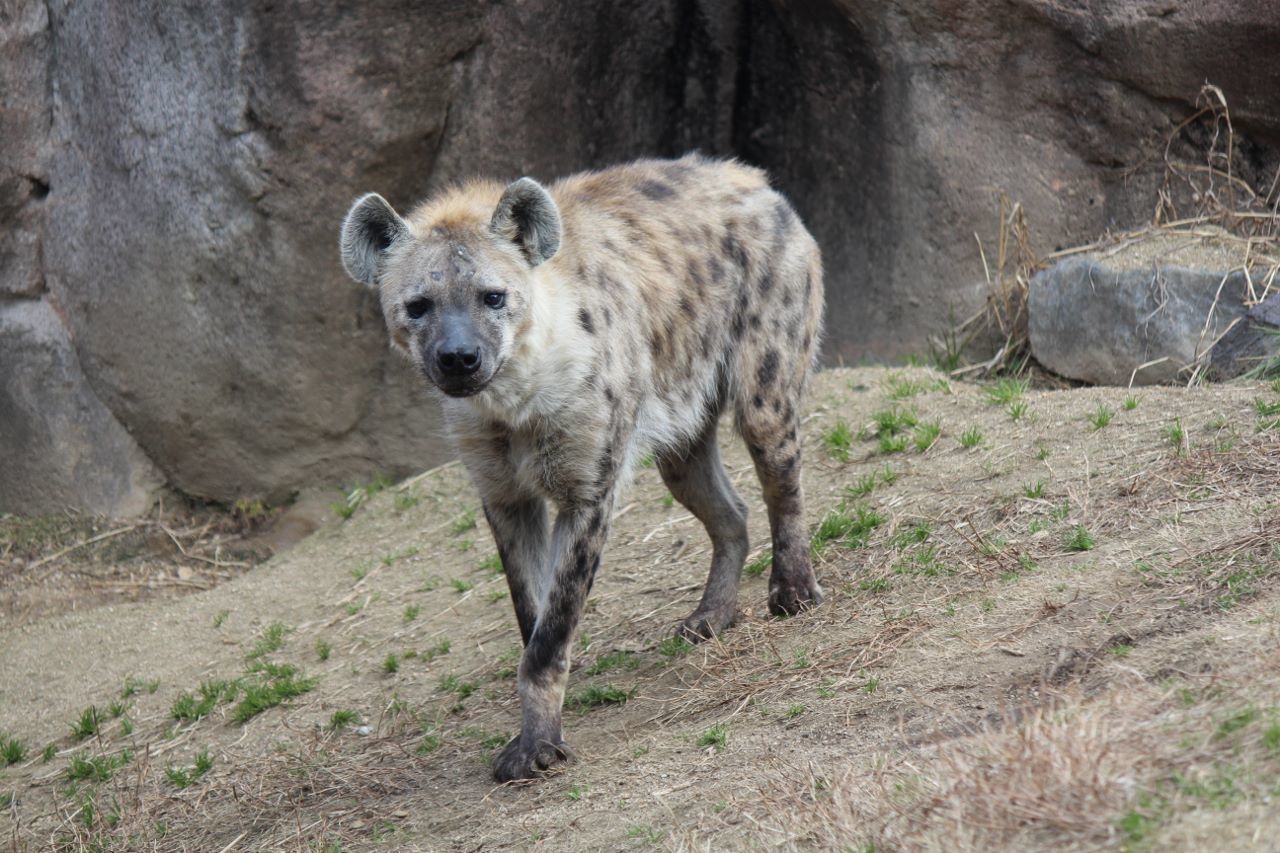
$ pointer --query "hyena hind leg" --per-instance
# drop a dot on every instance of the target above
(769, 421)
(698, 480)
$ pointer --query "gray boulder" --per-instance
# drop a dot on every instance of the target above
(1250, 344)
(1095, 323)
(61, 446)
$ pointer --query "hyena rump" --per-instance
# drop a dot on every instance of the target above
(575, 328)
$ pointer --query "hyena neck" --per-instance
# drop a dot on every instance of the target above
(548, 364)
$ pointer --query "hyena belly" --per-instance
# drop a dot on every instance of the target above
(573, 329)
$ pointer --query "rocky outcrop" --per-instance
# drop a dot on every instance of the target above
(1104, 325)
(172, 175)
(61, 445)
(1252, 346)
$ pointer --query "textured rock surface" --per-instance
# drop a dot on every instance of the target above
(1254, 342)
(61, 445)
(1092, 322)
(172, 177)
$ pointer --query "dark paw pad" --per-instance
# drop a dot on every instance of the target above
(788, 597)
(702, 625)
(519, 761)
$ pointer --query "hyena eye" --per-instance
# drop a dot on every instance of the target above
(417, 308)
(495, 299)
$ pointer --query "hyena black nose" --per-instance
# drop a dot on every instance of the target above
(458, 360)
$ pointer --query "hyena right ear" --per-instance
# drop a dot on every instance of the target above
(368, 231)
(527, 216)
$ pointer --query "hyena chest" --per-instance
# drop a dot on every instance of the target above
(554, 464)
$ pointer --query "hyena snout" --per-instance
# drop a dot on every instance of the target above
(457, 359)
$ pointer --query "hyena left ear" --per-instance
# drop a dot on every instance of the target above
(527, 216)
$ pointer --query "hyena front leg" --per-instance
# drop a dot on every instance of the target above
(577, 543)
(520, 529)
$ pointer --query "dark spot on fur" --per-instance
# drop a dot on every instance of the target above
(584, 320)
(665, 260)
(656, 190)
(717, 270)
(755, 449)
(695, 273)
(807, 341)
(768, 368)
(766, 281)
(786, 298)
(757, 401)
(608, 316)
(608, 394)
(610, 246)
(754, 321)
(733, 250)
(789, 416)
(686, 305)
(777, 407)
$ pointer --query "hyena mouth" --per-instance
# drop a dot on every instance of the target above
(463, 386)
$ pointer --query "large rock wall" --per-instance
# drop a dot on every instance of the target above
(172, 176)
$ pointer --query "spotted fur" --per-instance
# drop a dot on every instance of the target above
(638, 304)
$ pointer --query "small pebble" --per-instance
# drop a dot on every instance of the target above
(363, 730)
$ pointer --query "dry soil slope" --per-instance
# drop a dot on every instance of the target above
(1062, 635)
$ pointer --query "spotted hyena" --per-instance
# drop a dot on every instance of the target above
(573, 329)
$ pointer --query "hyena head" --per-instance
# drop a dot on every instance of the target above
(456, 291)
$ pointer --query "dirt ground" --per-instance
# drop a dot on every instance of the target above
(1053, 624)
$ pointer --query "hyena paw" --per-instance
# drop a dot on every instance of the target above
(704, 624)
(517, 761)
(789, 596)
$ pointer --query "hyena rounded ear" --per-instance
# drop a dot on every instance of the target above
(368, 231)
(527, 216)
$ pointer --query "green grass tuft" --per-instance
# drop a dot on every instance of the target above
(612, 661)
(838, 440)
(595, 696)
(267, 686)
(756, 567)
(96, 768)
(343, 719)
(674, 647)
(716, 737)
(87, 725)
(926, 435)
(839, 525)
(464, 522)
(1006, 391)
(1101, 417)
(1080, 539)
(970, 438)
(12, 750)
(184, 777)
(272, 640)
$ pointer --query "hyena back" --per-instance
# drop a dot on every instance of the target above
(572, 330)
